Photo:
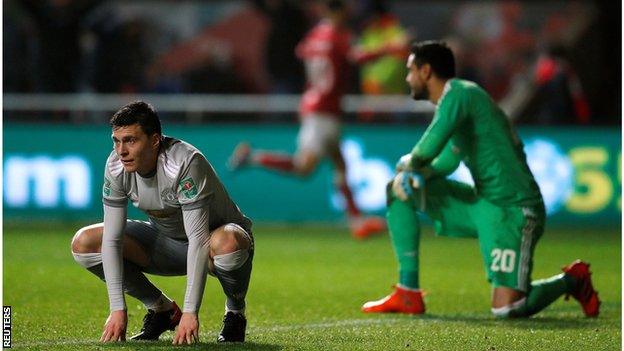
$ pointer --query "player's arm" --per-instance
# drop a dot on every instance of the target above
(115, 215)
(197, 230)
(444, 164)
(361, 56)
(441, 166)
(449, 114)
(112, 261)
(398, 46)
(194, 196)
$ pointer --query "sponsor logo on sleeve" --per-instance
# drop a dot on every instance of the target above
(187, 188)
(106, 189)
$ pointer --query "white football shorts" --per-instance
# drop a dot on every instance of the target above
(318, 133)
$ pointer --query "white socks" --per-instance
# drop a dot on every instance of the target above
(406, 288)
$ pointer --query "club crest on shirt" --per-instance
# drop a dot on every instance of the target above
(188, 188)
(168, 195)
(106, 188)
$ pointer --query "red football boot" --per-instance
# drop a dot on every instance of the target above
(584, 293)
(364, 227)
(400, 301)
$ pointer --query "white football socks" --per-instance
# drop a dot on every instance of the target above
(406, 288)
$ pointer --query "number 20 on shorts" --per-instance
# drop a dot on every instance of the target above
(503, 260)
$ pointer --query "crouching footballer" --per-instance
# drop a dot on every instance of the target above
(194, 229)
(504, 210)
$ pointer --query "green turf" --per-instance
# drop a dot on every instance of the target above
(307, 287)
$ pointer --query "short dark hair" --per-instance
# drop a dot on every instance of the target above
(137, 112)
(437, 54)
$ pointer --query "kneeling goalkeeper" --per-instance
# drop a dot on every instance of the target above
(504, 210)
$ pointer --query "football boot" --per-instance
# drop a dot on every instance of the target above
(400, 301)
(584, 292)
(156, 323)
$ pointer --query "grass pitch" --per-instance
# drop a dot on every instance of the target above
(307, 287)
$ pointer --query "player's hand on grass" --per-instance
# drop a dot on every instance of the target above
(115, 327)
(404, 164)
(188, 330)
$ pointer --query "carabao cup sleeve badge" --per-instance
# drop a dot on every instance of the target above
(188, 188)
(106, 188)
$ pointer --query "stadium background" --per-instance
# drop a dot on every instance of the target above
(187, 60)
(223, 71)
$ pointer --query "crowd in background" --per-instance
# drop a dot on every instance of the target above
(545, 63)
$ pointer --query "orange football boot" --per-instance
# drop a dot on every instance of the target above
(584, 293)
(400, 301)
(364, 227)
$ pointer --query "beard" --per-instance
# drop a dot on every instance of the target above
(422, 94)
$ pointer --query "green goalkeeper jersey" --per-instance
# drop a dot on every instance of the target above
(469, 126)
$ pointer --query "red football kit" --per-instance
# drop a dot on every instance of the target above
(324, 51)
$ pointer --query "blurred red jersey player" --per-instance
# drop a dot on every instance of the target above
(325, 52)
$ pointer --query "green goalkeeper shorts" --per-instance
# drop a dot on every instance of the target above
(507, 235)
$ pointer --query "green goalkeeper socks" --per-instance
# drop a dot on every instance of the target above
(405, 234)
(543, 293)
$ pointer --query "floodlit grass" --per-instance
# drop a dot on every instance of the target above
(306, 291)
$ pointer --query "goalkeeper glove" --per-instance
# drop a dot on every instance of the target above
(404, 164)
(404, 184)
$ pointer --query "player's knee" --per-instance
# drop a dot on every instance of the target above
(222, 242)
(86, 246)
(87, 240)
(304, 169)
(228, 239)
(305, 163)
(229, 248)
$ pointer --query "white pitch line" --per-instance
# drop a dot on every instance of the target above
(341, 323)
(251, 330)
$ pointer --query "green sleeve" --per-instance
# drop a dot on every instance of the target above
(449, 114)
(443, 165)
